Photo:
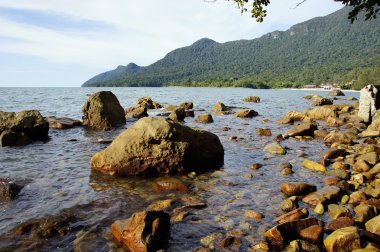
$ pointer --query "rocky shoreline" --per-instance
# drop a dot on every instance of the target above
(344, 212)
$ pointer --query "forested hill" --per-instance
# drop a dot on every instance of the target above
(320, 50)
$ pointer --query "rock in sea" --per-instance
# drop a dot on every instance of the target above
(158, 146)
(22, 128)
(144, 231)
(103, 111)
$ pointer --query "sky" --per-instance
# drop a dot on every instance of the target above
(58, 43)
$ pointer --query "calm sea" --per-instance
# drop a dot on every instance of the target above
(58, 180)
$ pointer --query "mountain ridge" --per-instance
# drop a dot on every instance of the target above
(322, 49)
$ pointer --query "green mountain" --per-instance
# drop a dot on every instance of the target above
(324, 49)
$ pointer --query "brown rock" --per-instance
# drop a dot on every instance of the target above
(344, 239)
(204, 118)
(178, 115)
(335, 153)
(11, 138)
(289, 204)
(263, 132)
(331, 180)
(165, 184)
(322, 196)
(371, 158)
(255, 99)
(336, 211)
(320, 133)
(103, 111)
(144, 231)
(253, 215)
(296, 214)
(321, 113)
(246, 113)
(158, 146)
(304, 129)
(364, 212)
(186, 105)
(373, 225)
(8, 190)
(297, 189)
(313, 165)
(255, 166)
(357, 197)
(313, 233)
(147, 102)
(339, 223)
(336, 92)
(137, 111)
(220, 109)
(338, 137)
(230, 243)
(62, 122)
(282, 234)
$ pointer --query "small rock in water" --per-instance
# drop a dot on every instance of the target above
(289, 204)
(319, 209)
(255, 166)
(233, 139)
(254, 99)
(253, 215)
(263, 132)
(274, 148)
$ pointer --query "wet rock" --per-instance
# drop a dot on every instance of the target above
(220, 109)
(47, 227)
(263, 132)
(320, 133)
(372, 192)
(297, 188)
(335, 153)
(167, 184)
(326, 194)
(296, 214)
(334, 122)
(204, 118)
(22, 128)
(255, 99)
(246, 113)
(322, 101)
(340, 165)
(186, 105)
(103, 111)
(295, 115)
(336, 92)
(138, 111)
(230, 243)
(335, 211)
(319, 209)
(339, 223)
(313, 233)
(321, 113)
(331, 180)
(303, 246)
(8, 190)
(368, 102)
(160, 205)
(289, 204)
(158, 146)
(304, 129)
(147, 102)
(253, 215)
(10, 138)
(274, 148)
(208, 241)
(282, 234)
(144, 231)
(255, 166)
(338, 137)
(373, 225)
(62, 122)
(364, 212)
(178, 115)
(287, 171)
(344, 239)
(313, 165)
(357, 197)
(343, 174)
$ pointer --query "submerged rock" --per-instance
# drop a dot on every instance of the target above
(22, 128)
(144, 231)
(297, 189)
(158, 146)
(103, 111)
(165, 184)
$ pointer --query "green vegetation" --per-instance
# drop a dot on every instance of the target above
(322, 50)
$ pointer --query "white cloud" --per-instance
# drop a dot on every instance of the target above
(142, 31)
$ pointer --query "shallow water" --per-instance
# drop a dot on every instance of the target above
(57, 176)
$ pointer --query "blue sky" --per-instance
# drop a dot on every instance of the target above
(65, 42)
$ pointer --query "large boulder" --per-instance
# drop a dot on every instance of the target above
(369, 102)
(160, 146)
(22, 128)
(103, 111)
(144, 231)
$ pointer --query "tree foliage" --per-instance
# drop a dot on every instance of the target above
(257, 8)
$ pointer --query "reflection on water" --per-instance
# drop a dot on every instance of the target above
(57, 178)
